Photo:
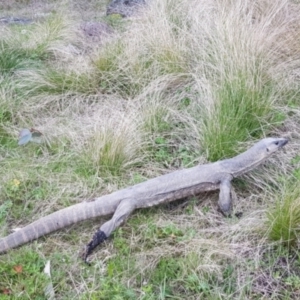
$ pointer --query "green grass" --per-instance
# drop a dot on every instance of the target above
(240, 112)
(22, 276)
(13, 59)
(55, 82)
(284, 218)
(243, 93)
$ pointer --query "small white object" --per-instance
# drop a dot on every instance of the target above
(49, 290)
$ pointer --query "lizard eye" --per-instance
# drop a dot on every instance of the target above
(267, 149)
(276, 143)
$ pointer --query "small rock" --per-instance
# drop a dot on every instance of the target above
(14, 20)
(125, 8)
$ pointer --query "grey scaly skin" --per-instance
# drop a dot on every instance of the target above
(162, 189)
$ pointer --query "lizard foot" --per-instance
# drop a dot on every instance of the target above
(226, 214)
(98, 238)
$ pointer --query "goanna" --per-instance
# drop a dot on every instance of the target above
(162, 189)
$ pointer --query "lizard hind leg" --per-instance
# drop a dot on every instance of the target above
(225, 201)
(124, 209)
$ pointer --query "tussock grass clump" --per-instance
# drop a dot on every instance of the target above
(45, 39)
(150, 48)
(235, 83)
(284, 219)
(114, 144)
(5, 99)
(13, 59)
(38, 41)
(7, 109)
(228, 64)
(50, 81)
(27, 55)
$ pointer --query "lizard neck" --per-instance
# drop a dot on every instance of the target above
(243, 162)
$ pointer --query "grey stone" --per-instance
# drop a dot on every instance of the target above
(125, 8)
(14, 20)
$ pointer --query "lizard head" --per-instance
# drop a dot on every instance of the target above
(254, 156)
(271, 145)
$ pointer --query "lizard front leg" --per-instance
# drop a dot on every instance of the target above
(225, 202)
(124, 209)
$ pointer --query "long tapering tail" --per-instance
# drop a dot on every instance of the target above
(57, 220)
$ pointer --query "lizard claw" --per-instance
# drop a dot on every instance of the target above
(97, 239)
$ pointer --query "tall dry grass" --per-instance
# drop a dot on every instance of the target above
(229, 54)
